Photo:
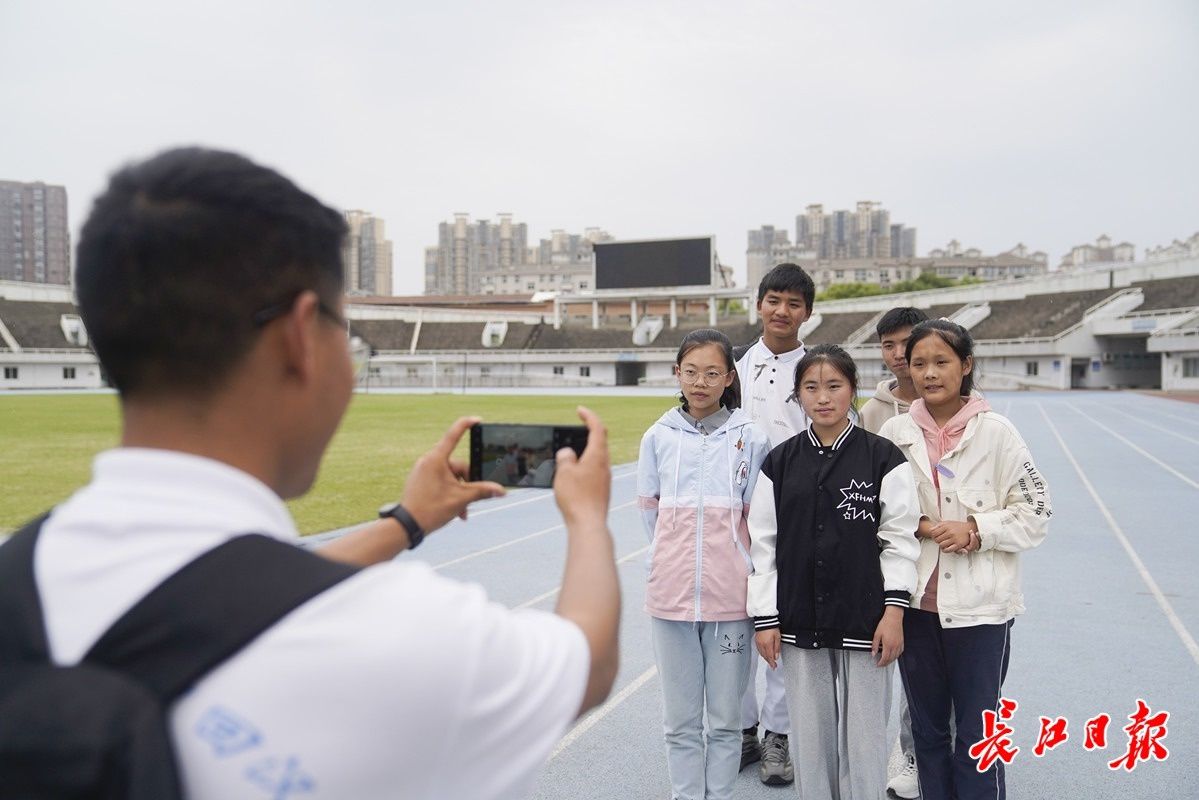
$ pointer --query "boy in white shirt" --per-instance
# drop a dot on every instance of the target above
(767, 373)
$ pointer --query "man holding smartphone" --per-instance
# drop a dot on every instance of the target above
(211, 288)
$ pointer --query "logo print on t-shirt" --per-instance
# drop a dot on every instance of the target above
(858, 504)
(227, 733)
(730, 647)
(282, 777)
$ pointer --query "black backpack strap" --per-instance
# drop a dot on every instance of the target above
(23, 632)
(211, 608)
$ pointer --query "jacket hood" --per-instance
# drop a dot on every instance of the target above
(884, 393)
(673, 419)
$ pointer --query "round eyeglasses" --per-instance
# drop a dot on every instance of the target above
(692, 376)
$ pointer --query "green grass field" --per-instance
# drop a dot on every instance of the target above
(49, 442)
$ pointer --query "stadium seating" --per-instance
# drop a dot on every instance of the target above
(836, 328)
(945, 310)
(450, 336)
(584, 338)
(384, 334)
(1037, 315)
(37, 325)
(1169, 293)
(520, 336)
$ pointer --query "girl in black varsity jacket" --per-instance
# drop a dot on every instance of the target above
(832, 526)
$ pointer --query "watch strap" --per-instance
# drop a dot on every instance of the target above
(401, 515)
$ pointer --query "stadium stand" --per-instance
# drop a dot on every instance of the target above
(519, 336)
(584, 338)
(1037, 315)
(450, 336)
(37, 325)
(834, 328)
(946, 310)
(384, 334)
(1031, 339)
(1168, 293)
(738, 334)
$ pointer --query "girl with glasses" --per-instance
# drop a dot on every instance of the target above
(695, 475)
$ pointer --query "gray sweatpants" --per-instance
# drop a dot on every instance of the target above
(839, 701)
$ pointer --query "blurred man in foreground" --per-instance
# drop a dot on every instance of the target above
(211, 288)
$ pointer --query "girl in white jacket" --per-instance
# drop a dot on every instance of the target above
(695, 476)
(982, 502)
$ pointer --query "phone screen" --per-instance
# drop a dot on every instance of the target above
(520, 455)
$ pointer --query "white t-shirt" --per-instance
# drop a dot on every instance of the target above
(395, 683)
(767, 382)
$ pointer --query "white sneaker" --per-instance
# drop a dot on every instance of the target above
(905, 785)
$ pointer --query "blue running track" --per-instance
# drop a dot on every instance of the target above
(1112, 596)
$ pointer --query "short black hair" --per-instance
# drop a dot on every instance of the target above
(898, 318)
(788, 278)
(181, 251)
(833, 355)
(730, 398)
(954, 335)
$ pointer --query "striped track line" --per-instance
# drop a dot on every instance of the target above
(594, 717)
(547, 595)
(1187, 420)
(541, 494)
(1142, 451)
(1188, 641)
(511, 542)
(1143, 423)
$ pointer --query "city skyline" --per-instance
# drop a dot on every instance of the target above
(482, 257)
(1047, 125)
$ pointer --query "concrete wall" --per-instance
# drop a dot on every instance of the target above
(1012, 372)
(1173, 368)
(46, 371)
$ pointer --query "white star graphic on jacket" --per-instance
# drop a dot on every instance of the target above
(851, 494)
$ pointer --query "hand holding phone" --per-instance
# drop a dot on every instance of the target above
(583, 484)
(521, 455)
(436, 491)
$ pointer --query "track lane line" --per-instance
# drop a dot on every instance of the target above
(547, 595)
(1143, 423)
(594, 716)
(511, 542)
(1178, 417)
(1193, 484)
(541, 495)
(1188, 641)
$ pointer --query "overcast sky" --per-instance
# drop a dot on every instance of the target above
(1036, 122)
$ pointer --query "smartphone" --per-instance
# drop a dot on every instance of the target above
(520, 455)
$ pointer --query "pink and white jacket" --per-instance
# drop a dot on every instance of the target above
(693, 491)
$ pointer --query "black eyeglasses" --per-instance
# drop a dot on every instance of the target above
(359, 350)
(268, 314)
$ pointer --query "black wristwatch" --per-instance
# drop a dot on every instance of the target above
(400, 514)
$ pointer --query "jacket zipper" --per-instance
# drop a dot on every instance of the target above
(699, 526)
